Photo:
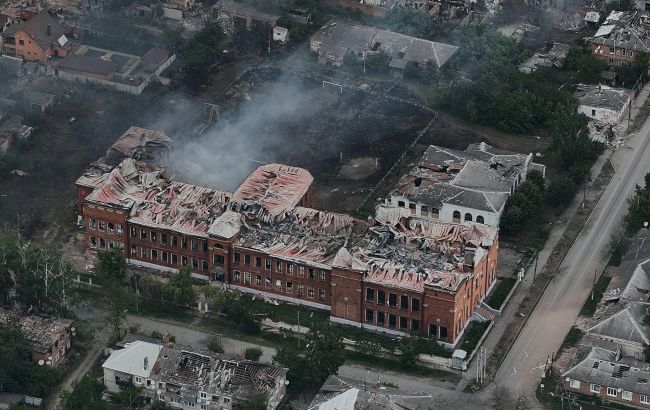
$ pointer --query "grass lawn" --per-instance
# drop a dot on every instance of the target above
(500, 292)
(472, 335)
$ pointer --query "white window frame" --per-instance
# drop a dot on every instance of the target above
(574, 384)
(594, 388)
(644, 399)
(627, 395)
(138, 380)
(612, 392)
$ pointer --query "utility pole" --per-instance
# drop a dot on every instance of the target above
(592, 288)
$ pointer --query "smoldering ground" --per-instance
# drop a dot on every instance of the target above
(274, 116)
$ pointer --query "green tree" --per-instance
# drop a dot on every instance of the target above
(257, 401)
(215, 346)
(111, 265)
(253, 353)
(408, 352)
(14, 356)
(180, 287)
(377, 62)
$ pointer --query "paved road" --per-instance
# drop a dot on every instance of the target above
(563, 299)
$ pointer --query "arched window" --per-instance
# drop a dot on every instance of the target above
(480, 219)
(456, 216)
(468, 217)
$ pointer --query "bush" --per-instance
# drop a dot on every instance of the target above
(216, 346)
(500, 292)
(561, 191)
(253, 353)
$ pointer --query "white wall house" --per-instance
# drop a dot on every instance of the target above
(462, 186)
(605, 104)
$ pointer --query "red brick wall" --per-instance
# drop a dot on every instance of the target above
(346, 296)
(110, 227)
(379, 307)
(82, 193)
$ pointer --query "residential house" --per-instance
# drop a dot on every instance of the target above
(398, 273)
(49, 337)
(461, 186)
(342, 393)
(551, 56)
(37, 39)
(233, 15)
(622, 37)
(602, 103)
(337, 40)
(191, 379)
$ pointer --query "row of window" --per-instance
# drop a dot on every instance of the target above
(156, 255)
(291, 268)
(391, 321)
(379, 297)
(171, 240)
(620, 52)
(104, 226)
(424, 209)
(468, 217)
(611, 391)
(102, 243)
(280, 286)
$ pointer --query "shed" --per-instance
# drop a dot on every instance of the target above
(458, 359)
(280, 34)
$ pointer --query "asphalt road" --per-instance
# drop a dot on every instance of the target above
(562, 301)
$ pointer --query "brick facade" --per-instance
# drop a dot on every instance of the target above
(585, 388)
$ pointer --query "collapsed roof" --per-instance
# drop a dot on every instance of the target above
(481, 177)
(601, 96)
(40, 332)
(626, 30)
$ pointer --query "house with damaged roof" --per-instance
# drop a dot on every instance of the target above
(610, 361)
(454, 186)
(605, 106)
(396, 273)
(337, 40)
(190, 379)
(623, 36)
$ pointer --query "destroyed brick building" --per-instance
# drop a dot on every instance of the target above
(454, 186)
(189, 379)
(337, 40)
(49, 337)
(605, 106)
(398, 273)
(621, 38)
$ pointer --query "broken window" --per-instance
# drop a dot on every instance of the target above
(268, 263)
(247, 260)
(247, 277)
(154, 236)
(278, 285)
(165, 257)
(289, 287)
(322, 276)
(404, 302)
(93, 241)
(381, 297)
(278, 266)
(392, 321)
(479, 219)
(456, 216)
(174, 241)
(174, 259)
(443, 333)
(219, 259)
(310, 293)
(258, 262)
(184, 242)
(154, 255)
(424, 210)
(301, 290)
(237, 257)
(412, 208)
(289, 268)
(401, 204)
(381, 318)
(258, 280)
(92, 223)
(195, 263)
(143, 234)
(120, 229)
(134, 232)
(415, 325)
(370, 316)
(205, 247)
(102, 225)
(204, 265)
(184, 261)
(415, 304)
(195, 245)
(143, 252)
(468, 217)
(321, 294)
(370, 294)
(392, 300)
(403, 323)
(301, 271)
(435, 213)
(163, 238)
(237, 276)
